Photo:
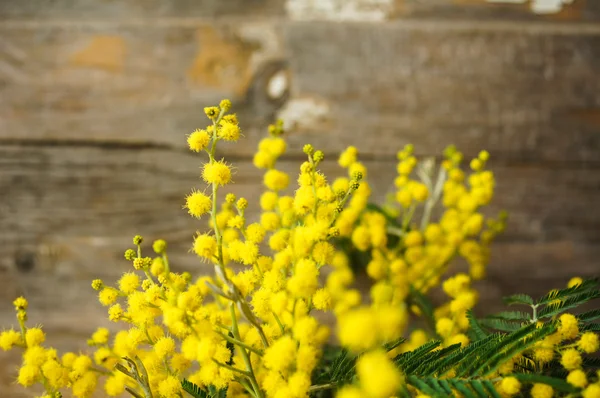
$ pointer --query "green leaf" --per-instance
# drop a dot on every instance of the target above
(512, 316)
(429, 362)
(393, 344)
(589, 316)
(483, 356)
(590, 327)
(591, 362)
(555, 383)
(504, 354)
(500, 324)
(410, 360)
(476, 327)
(563, 294)
(342, 367)
(470, 388)
(424, 387)
(518, 299)
(491, 389)
(198, 392)
(478, 388)
(193, 389)
(571, 302)
(461, 387)
(466, 355)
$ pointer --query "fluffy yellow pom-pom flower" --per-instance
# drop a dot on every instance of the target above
(276, 180)
(571, 359)
(577, 378)
(198, 140)
(198, 204)
(205, 246)
(510, 386)
(218, 173)
(378, 376)
(588, 342)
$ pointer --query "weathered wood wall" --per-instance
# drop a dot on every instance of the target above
(96, 98)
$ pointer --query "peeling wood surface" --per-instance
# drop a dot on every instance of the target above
(517, 92)
(347, 10)
(92, 9)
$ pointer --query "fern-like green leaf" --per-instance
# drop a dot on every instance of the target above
(515, 348)
(589, 316)
(591, 362)
(591, 327)
(477, 364)
(470, 388)
(408, 360)
(394, 344)
(555, 383)
(429, 362)
(564, 294)
(478, 387)
(193, 389)
(490, 389)
(512, 316)
(425, 388)
(465, 356)
(571, 302)
(342, 367)
(461, 386)
(476, 328)
(518, 299)
(500, 324)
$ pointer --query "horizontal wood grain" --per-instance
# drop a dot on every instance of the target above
(579, 11)
(526, 95)
(71, 212)
(135, 8)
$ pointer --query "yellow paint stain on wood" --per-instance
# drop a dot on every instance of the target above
(221, 62)
(103, 52)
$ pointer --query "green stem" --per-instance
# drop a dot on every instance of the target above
(240, 343)
(236, 333)
(247, 386)
(320, 387)
(407, 216)
(166, 262)
(279, 322)
(534, 318)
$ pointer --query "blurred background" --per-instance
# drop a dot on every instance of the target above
(97, 96)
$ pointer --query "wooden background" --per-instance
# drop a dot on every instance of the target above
(96, 98)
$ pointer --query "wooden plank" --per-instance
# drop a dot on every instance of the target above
(81, 191)
(66, 210)
(577, 11)
(515, 92)
(528, 94)
(91, 9)
(378, 10)
(136, 85)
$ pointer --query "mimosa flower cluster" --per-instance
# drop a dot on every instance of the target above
(283, 287)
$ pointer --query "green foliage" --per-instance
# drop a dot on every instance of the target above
(198, 392)
(477, 331)
(518, 299)
(471, 370)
